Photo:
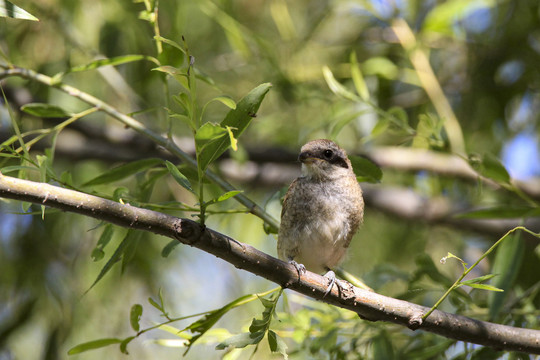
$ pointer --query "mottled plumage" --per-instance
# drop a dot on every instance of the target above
(322, 209)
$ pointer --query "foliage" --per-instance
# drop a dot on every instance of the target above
(357, 72)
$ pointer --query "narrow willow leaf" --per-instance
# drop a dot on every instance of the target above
(8, 9)
(508, 262)
(225, 196)
(238, 120)
(171, 43)
(484, 287)
(502, 212)
(124, 344)
(336, 87)
(169, 248)
(492, 168)
(123, 171)
(45, 110)
(171, 70)
(117, 60)
(365, 169)
(225, 100)
(91, 345)
(358, 78)
(104, 239)
(201, 326)
(478, 280)
(116, 257)
(135, 316)
(241, 340)
(178, 176)
(277, 344)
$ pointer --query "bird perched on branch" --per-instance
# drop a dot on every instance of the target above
(322, 210)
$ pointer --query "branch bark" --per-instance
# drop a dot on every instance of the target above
(367, 305)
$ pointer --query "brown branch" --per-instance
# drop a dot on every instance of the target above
(367, 305)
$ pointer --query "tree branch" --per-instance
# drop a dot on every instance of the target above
(367, 305)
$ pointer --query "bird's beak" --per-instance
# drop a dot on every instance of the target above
(306, 157)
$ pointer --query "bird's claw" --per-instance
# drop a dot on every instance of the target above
(331, 276)
(300, 268)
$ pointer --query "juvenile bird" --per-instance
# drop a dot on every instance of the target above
(322, 210)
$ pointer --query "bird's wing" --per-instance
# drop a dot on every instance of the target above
(288, 197)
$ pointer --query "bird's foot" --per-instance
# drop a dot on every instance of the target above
(301, 269)
(331, 276)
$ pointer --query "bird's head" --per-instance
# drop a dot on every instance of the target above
(324, 160)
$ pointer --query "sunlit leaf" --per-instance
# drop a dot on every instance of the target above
(91, 345)
(380, 66)
(241, 340)
(443, 16)
(8, 9)
(225, 100)
(225, 196)
(336, 87)
(484, 287)
(45, 110)
(358, 78)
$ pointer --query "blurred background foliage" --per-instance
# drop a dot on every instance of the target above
(485, 56)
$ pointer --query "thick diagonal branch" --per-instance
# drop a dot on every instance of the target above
(368, 305)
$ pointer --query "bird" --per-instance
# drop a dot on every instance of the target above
(322, 210)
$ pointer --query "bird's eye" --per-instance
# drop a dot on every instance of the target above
(328, 153)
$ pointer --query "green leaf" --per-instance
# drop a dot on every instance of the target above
(508, 264)
(484, 287)
(45, 110)
(170, 42)
(223, 197)
(135, 316)
(106, 236)
(478, 280)
(201, 326)
(169, 248)
(501, 212)
(382, 67)
(178, 176)
(277, 344)
(443, 16)
(124, 344)
(117, 60)
(365, 169)
(8, 9)
(358, 78)
(116, 256)
(225, 100)
(123, 171)
(238, 120)
(492, 168)
(241, 340)
(170, 70)
(91, 345)
(336, 87)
